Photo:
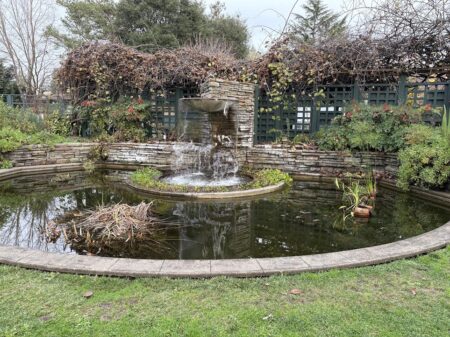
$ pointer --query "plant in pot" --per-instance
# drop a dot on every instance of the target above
(371, 185)
(356, 199)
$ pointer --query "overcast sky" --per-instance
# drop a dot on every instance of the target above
(258, 13)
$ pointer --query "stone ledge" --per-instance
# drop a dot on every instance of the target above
(211, 195)
(94, 265)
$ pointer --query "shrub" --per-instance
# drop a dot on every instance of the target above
(426, 162)
(11, 139)
(332, 138)
(20, 119)
(20, 127)
(124, 120)
(5, 164)
(58, 123)
(369, 128)
(269, 177)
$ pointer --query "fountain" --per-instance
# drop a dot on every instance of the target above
(206, 154)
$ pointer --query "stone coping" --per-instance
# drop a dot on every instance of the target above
(94, 265)
(211, 195)
(14, 172)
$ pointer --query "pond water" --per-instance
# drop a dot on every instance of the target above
(304, 219)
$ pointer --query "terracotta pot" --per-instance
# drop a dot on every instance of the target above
(369, 207)
(361, 212)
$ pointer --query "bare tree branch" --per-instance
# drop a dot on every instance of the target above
(24, 43)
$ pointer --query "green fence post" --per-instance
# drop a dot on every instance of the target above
(9, 100)
(447, 97)
(402, 91)
(356, 92)
(178, 96)
(315, 118)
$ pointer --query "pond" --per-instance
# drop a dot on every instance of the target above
(305, 219)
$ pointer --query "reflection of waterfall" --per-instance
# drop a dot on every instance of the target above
(214, 230)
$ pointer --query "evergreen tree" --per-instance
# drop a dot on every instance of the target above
(7, 83)
(148, 24)
(85, 20)
(317, 23)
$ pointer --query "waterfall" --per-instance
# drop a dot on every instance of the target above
(206, 152)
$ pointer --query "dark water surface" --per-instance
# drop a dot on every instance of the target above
(302, 220)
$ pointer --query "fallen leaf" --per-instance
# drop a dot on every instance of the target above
(413, 291)
(270, 316)
(88, 294)
(295, 292)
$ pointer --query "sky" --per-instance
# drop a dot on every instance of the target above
(267, 13)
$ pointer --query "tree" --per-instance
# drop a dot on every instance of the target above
(231, 30)
(7, 83)
(153, 24)
(149, 25)
(317, 23)
(24, 43)
(85, 21)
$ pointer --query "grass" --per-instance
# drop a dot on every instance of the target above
(404, 298)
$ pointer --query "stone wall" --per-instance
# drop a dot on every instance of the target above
(327, 163)
(244, 95)
(33, 155)
(163, 155)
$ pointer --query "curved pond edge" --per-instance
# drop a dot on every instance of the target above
(106, 266)
(211, 195)
(123, 267)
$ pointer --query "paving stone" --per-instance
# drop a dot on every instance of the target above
(395, 250)
(241, 267)
(194, 268)
(44, 260)
(325, 261)
(359, 257)
(136, 267)
(84, 264)
(283, 264)
(9, 254)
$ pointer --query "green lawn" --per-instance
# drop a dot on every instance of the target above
(405, 298)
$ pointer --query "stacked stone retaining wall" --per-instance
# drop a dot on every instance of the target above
(162, 155)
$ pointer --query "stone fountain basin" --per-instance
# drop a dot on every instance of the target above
(207, 105)
(210, 195)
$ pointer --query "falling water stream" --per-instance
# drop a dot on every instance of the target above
(206, 153)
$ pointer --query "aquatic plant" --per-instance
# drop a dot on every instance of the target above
(355, 197)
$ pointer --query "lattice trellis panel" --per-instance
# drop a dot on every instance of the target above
(163, 111)
(308, 114)
(331, 103)
(378, 94)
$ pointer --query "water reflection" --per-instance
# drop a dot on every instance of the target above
(304, 220)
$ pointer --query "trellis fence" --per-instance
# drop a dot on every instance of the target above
(40, 104)
(302, 114)
(308, 113)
